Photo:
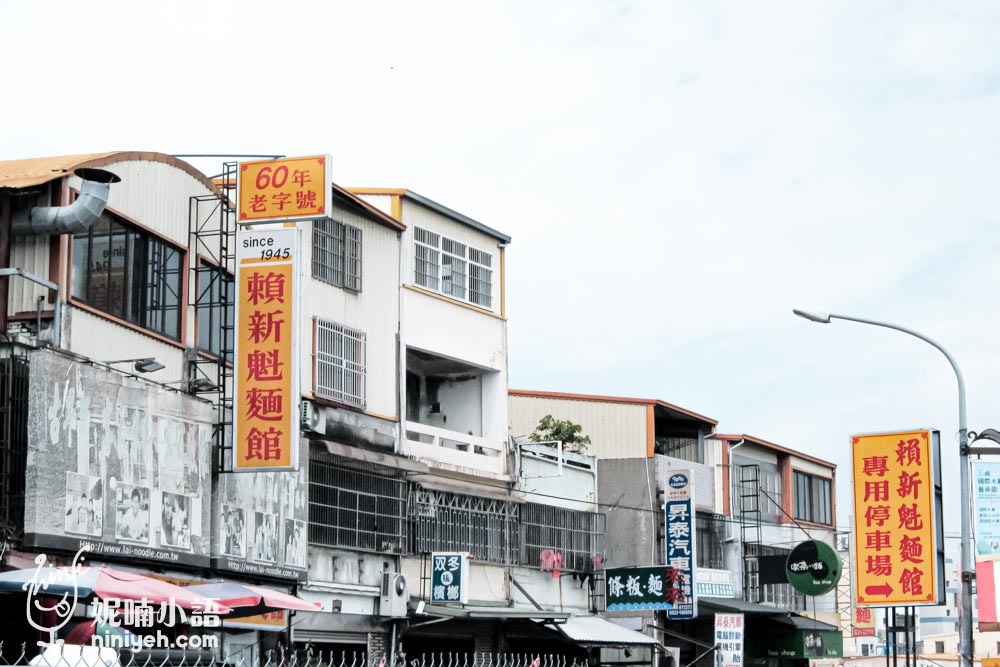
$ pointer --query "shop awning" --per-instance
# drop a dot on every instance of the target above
(596, 631)
(482, 611)
(707, 607)
(448, 485)
(377, 458)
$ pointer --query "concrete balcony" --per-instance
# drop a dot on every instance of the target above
(469, 454)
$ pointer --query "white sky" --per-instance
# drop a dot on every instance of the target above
(676, 175)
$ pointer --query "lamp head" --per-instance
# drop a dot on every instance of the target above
(148, 365)
(200, 385)
(813, 315)
(988, 434)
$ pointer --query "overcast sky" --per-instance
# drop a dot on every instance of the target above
(676, 176)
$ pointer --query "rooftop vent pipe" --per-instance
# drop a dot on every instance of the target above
(78, 216)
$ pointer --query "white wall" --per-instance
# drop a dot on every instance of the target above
(572, 488)
(545, 590)
(488, 583)
(374, 310)
(417, 215)
(454, 332)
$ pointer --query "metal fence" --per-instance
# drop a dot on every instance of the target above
(68, 655)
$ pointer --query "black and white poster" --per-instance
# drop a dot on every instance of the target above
(84, 504)
(265, 537)
(175, 520)
(235, 534)
(132, 513)
(295, 543)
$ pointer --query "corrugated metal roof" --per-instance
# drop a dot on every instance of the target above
(775, 447)
(17, 174)
(612, 399)
(434, 206)
(593, 630)
(38, 170)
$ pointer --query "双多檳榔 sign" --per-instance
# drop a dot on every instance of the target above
(286, 189)
(897, 519)
(449, 577)
(266, 377)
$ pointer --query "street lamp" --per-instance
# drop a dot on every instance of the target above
(965, 644)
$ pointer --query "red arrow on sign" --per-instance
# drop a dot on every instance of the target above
(883, 590)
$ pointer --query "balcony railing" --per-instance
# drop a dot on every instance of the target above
(477, 454)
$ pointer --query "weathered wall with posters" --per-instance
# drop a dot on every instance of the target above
(116, 464)
(262, 522)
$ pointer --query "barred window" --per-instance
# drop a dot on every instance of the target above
(709, 529)
(339, 366)
(337, 254)
(577, 535)
(484, 527)
(356, 507)
(780, 595)
(480, 278)
(449, 267)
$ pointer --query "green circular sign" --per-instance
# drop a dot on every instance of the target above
(813, 568)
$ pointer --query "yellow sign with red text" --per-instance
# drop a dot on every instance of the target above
(266, 393)
(287, 189)
(894, 519)
(274, 621)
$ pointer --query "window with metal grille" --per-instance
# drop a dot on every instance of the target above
(427, 258)
(577, 535)
(484, 527)
(709, 530)
(780, 595)
(215, 309)
(480, 278)
(339, 365)
(356, 507)
(337, 254)
(129, 273)
(812, 499)
(449, 267)
(13, 441)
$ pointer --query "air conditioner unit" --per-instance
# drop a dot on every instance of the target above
(395, 595)
(313, 418)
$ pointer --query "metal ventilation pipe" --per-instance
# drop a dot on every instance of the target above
(78, 216)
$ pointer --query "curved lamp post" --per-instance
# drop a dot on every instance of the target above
(965, 643)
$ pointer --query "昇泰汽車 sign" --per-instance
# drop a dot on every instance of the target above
(679, 542)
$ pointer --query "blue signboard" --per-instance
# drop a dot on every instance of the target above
(987, 490)
(449, 577)
(681, 550)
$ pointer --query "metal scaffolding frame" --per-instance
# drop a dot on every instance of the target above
(212, 233)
